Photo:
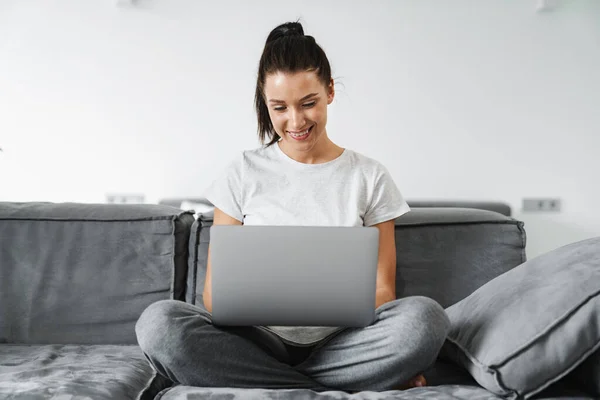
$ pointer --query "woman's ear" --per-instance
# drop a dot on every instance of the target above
(330, 92)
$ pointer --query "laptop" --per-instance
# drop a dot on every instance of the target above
(293, 275)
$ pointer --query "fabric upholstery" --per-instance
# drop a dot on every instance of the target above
(449, 392)
(198, 257)
(83, 273)
(447, 253)
(531, 326)
(445, 392)
(495, 206)
(59, 372)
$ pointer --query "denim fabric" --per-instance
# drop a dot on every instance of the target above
(183, 345)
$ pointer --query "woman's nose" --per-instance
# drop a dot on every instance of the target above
(296, 119)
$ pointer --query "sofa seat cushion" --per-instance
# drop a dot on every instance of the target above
(447, 392)
(558, 391)
(98, 372)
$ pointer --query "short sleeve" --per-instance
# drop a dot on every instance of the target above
(225, 192)
(386, 200)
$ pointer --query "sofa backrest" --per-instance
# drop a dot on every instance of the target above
(448, 253)
(82, 273)
(202, 203)
(442, 253)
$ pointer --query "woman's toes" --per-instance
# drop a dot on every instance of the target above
(417, 381)
(420, 381)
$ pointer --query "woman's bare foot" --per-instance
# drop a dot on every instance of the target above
(417, 381)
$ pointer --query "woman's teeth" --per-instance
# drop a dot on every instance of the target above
(299, 134)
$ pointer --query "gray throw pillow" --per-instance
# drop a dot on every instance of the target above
(531, 326)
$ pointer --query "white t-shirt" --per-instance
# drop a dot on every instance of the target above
(266, 187)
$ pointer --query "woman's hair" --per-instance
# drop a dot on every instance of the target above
(287, 50)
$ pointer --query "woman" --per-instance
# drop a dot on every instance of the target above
(300, 177)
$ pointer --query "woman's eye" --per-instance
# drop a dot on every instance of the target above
(305, 105)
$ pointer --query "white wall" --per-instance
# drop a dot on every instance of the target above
(467, 99)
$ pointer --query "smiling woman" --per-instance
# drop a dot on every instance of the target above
(293, 89)
(299, 177)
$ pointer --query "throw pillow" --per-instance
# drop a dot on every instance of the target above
(532, 325)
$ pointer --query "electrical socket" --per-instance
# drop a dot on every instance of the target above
(125, 198)
(542, 204)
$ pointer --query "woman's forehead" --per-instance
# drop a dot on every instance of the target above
(292, 85)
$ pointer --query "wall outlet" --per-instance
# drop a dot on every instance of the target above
(125, 198)
(542, 204)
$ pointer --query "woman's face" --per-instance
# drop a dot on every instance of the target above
(297, 104)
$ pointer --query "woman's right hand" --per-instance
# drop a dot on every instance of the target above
(220, 218)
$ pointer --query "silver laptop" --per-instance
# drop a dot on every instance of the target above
(293, 275)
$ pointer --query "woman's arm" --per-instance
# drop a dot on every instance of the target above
(386, 264)
(220, 218)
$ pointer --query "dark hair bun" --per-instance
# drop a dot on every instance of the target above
(286, 30)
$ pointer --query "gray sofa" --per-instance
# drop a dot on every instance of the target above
(74, 278)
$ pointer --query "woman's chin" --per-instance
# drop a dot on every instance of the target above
(300, 145)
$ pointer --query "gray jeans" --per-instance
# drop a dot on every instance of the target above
(181, 343)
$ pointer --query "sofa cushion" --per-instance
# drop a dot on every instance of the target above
(531, 326)
(442, 253)
(83, 273)
(198, 257)
(99, 372)
(447, 392)
(447, 253)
